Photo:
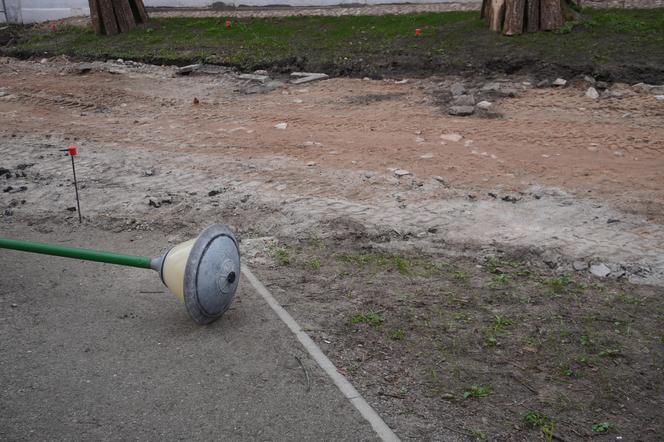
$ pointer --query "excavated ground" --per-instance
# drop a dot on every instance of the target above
(433, 257)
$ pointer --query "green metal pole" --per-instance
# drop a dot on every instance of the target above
(73, 252)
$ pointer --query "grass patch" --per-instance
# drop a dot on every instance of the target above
(371, 318)
(616, 42)
(477, 391)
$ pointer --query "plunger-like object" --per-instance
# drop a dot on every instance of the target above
(203, 272)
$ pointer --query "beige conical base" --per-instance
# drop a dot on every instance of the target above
(174, 266)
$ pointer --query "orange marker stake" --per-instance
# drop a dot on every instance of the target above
(228, 23)
(418, 32)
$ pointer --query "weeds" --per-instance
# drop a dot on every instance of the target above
(281, 256)
(477, 391)
(371, 318)
(602, 427)
(397, 335)
(539, 420)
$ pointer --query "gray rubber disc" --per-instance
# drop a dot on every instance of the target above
(212, 274)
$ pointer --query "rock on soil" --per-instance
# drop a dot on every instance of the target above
(484, 105)
(559, 82)
(592, 93)
(185, 70)
(600, 270)
(401, 172)
(579, 265)
(306, 77)
(659, 97)
(457, 89)
(462, 111)
(452, 137)
(281, 126)
(464, 100)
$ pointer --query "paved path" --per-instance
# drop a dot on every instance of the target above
(100, 352)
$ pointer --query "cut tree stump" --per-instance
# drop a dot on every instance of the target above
(551, 15)
(514, 17)
(496, 14)
(532, 15)
(110, 17)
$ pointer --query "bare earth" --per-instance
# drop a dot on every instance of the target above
(547, 173)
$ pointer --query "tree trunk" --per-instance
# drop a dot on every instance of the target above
(496, 14)
(123, 15)
(551, 15)
(110, 17)
(514, 12)
(110, 26)
(94, 17)
(532, 15)
(514, 17)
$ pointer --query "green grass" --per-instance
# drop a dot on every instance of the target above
(477, 391)
(372, 318)
(366, 45)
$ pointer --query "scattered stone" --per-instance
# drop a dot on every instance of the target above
(43, 61)
(306, 77)
(426, 156)
(659, 97)
(14, 305)
(589, 79)
(452, 137)
(510, 199)
(602, 85)
(619, 153)
(612, 221)
(260, 72)
(592, 93)
(401, 172)
(488, 87)
(281, 126)
(215, 192)
(81, 68)
(484, 105)
(457, 89)
(369, 174)
(642, 87)
(185, 70)
(579, 265)
(404, 81)
(600, 270)
(543, 83)
(559, 82)
(440, 179)
(461, 111)
(464, 100)
(419, 140)
(447, 396)
(657, 90)
(254, 77)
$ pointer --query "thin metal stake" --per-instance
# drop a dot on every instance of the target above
(78, 204)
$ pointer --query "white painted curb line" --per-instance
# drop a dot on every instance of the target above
(378, 424)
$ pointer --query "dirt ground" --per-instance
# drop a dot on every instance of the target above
(433, 257)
